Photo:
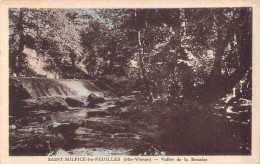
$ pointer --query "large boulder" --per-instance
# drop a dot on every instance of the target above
(64, 130)
(54, 106)
(93, 100)
(45, 103)
(73, 102)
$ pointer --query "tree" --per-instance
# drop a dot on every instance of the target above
(17, 38)
(54, 33)
(119, 46)
(203, 52)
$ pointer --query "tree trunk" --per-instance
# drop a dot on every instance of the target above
(20, 31)
(244, 40)
(141, 56)
(143, 72)
(215, 83)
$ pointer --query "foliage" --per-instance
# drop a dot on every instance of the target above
(185, 51)
(179, 66)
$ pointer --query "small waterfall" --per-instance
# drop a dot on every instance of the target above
(78, 86)
(42, 87)
(82, 87)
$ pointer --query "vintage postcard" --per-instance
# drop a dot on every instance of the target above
(130, 81)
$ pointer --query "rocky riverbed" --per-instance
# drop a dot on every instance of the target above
(99, 130)
(48, 117)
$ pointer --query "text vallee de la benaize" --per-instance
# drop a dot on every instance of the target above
(125, 159)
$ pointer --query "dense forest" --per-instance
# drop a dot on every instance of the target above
(189, 66)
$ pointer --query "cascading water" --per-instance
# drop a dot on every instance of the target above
(81, 87)
(42, 87)
(78, 86)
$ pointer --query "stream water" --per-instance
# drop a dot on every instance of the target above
(100, 134)
(76, 131)
(80, 130)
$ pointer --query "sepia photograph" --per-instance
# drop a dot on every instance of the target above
(130, 81)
